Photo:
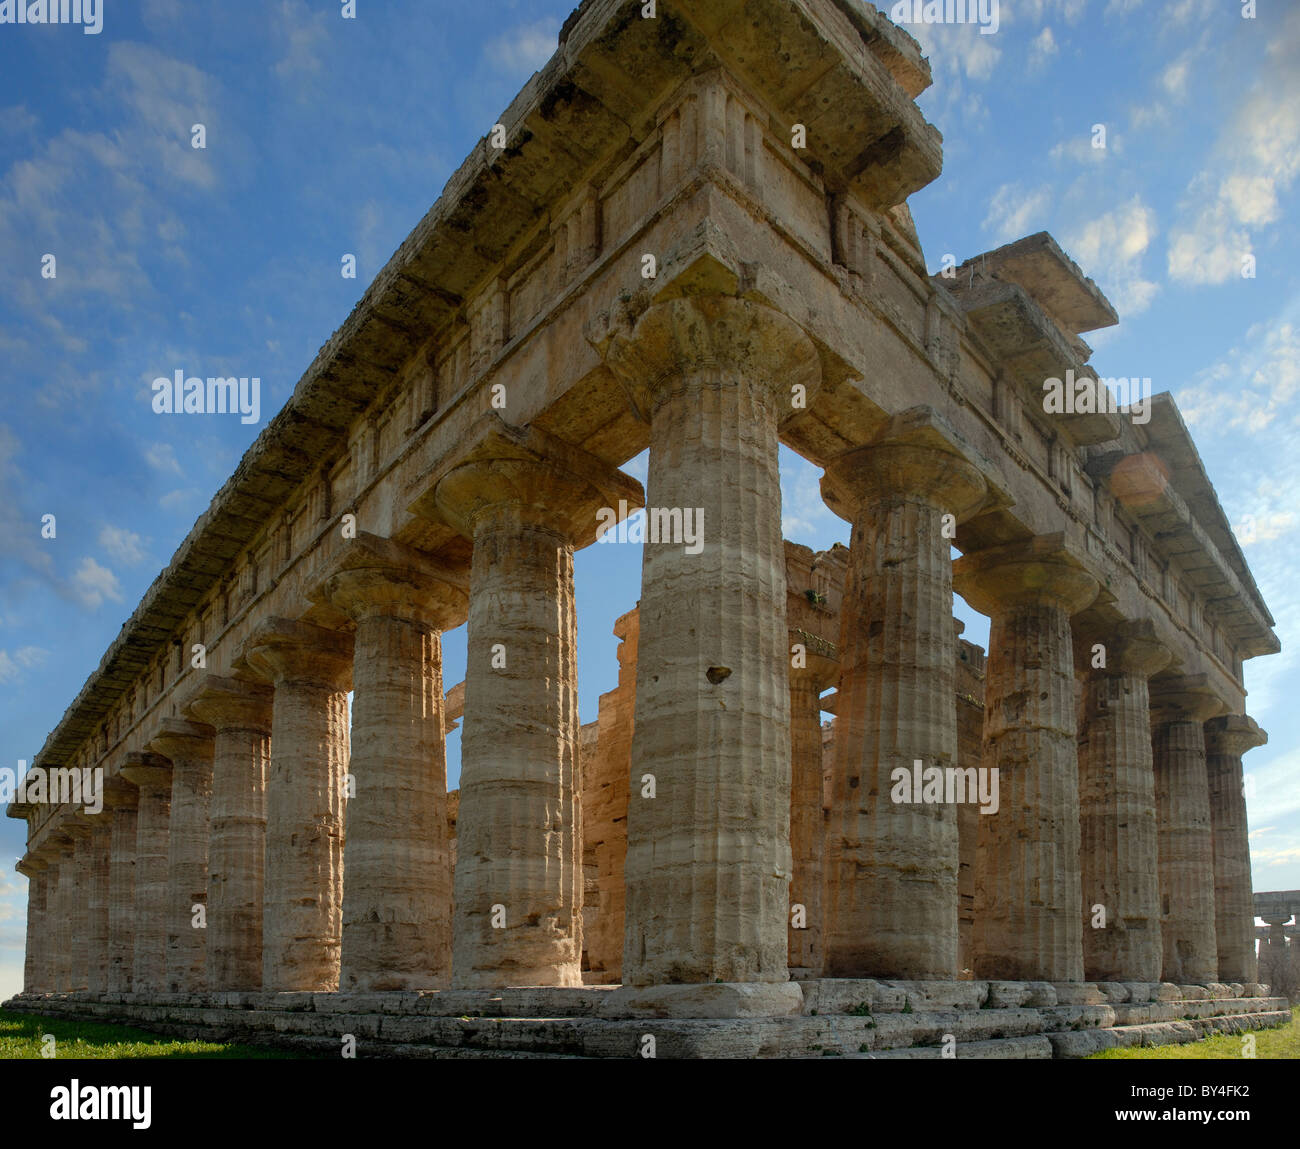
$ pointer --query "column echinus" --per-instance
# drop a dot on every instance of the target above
(397, 892)
(1226, 739)
(1117, 804)
(188, 746)
(527, 501)
(1179, 708)
(708, 856)
(891, 867)
(123, 799)
(239, 713)
(151, 774)
(1028, 925)
(78, 827)
(311, 669)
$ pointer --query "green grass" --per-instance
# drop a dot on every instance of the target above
(21, 1036)
(1270, 1044)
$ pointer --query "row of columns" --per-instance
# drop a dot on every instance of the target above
(234, 814)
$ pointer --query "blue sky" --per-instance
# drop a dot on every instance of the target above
(328, 136)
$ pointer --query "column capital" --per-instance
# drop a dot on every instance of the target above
(284, 650)
(119, 794)
(30, 864)
(152, 773)
(679, 342)
(181, 740)
(535, 478)
(820, 659)
(1183, 698)
(374, 576)
(1233, 734)
(916, 455)
(1133, 647)
(1042, 570)
(231, 704)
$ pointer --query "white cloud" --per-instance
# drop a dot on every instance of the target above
(12, 665)
(162, 457)
(93, 584)
(1112, 247)
(123, 546)
(525, 48)
(1043, 48)
(1014, 210)
(302, 32)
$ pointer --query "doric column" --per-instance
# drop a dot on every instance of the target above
(101, 842)
(34, 869)
(240, 714)
(123, 800)
(1180, 707)
(151, 774)
(1226, 740)
(892, 865)
(708, 860)
(1117, 808)
(78, 827)
(1027, 885)
(310, 668)
(518, 884)
(58, 852)
(188, 746)
(397, 893)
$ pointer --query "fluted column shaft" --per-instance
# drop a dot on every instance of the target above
(152, 775)
(1226, 740)
(79, 906)
(97, 932)
(1186, 843)
(302, 896)
(708, 861)
(65, 881)
(188, 746)
(33, 958)
(892, 865)
(807, 825)
(121, 894)
(1028, 924)
(239, 713)
(397, 893)
(1117, 814)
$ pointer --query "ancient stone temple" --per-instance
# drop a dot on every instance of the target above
(695, 241)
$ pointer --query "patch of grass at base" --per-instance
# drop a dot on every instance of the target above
(1270, 1044)
(21, 1036)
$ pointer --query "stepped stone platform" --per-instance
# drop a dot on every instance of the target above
(853, 1018)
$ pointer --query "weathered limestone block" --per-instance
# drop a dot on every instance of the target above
(396, 893)
(892, 866)
(189, 748)
(1180, 706)
(1027, 894)
(1117, 811)
(518, 883)
(1226, 740)
(310, 668)
(708, 877)
(151, 774)
(124, 800)
(970, 737)
(240, 714)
